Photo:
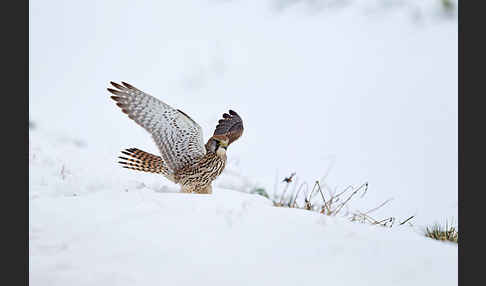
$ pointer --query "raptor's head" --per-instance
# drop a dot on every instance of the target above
(218, 144)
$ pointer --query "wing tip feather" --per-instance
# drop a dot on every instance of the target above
(114, 91)
(128, 85)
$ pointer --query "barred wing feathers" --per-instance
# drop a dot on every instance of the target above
(178, 137)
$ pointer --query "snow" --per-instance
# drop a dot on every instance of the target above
(88, 227)
(365, 92)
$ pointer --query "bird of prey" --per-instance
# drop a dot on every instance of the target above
(185, 159)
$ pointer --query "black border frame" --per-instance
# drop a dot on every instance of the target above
(15, 23)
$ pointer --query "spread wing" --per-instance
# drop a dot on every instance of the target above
(178, 137)
(230, 126)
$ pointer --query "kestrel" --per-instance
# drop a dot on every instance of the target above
(185, 159)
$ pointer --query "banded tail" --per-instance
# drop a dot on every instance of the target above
(145, 162)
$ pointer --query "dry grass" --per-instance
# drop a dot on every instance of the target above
(442, 232)
(330, 202)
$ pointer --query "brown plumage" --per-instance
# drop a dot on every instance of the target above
(230, 126)
(144, 161)
(185, 159)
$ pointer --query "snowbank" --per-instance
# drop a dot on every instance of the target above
(88, 228)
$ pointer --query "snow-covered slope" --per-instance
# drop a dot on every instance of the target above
(88, 227)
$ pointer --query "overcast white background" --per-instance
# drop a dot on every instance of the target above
(366, 88)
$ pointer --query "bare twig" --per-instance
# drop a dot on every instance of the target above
(407, 220)
(310, 195)
(381, 205)
(349, 198)
(325, 205)
(283, 193)
(298, 192)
